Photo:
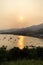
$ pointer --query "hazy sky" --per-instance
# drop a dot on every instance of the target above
(20, 13)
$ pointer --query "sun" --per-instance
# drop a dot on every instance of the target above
(21, 18)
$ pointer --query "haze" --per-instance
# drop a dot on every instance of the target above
(20, 13)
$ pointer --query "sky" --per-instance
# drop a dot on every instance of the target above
(20, 13)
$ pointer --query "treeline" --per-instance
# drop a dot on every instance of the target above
(17, 54)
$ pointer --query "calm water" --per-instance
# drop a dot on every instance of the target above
(19, 41)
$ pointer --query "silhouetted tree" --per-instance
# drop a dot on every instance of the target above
(17, 54)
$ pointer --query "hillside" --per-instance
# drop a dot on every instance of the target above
(35, 31)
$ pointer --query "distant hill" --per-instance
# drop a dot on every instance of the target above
(40, 31)
(36, 27)
(28, 31)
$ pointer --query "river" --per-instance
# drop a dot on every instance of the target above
(19, 41)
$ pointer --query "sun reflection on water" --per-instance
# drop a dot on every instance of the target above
(21, 42)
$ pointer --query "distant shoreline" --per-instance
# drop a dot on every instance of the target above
(35, 36)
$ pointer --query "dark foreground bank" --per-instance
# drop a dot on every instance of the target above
(24, 62)
(17, 54)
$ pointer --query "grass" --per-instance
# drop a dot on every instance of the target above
(24, 62)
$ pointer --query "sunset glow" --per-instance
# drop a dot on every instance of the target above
(20, 13)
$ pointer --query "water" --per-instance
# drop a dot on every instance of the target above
(19, 41)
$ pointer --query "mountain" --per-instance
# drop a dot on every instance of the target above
(36, 27)
(40, 31)
(34, 30)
